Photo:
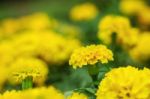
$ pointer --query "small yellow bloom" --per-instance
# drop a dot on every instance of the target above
(76, 95)
(125, 83)
(86, 11)
(90, 55)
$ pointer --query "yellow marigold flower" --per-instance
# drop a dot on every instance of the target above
(53, 50)
(132, 6)
(36, 93)
(90, 55)
(76, 95)
(119, 25)
(125, 83)
(22, 68)
(86, 11)
(141, 52)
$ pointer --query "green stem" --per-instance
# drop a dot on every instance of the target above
(27, 83)
(93, 72)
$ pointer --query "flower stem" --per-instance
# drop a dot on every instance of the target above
(27, 83)
(93, 71)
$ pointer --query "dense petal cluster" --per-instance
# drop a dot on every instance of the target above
(37, 93)
(141, 52)
(76, 95)
(86, 11)
(119, 25)
(90, 55)
(125, 83)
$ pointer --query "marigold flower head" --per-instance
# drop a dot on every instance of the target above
(76, 95)
(22, 68)
(121, 27)
(141, 52)
(125, 83)
(86, 11)
(90, 55)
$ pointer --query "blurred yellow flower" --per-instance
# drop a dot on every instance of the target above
(22, 68)
(141, 52)
(47, 45)
(132, 7)
(76, 95)
(86, 11)
(9, 27)
(144, 16)
(90, 55)
(69, 31)
(43, 93)
(11, 94)
(37, 93)
(119, 25)
(36, 21)
(125, 83)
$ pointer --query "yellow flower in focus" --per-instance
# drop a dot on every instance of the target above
(22, 68)
(90, 55)
(76, 95)
(141, 52)
(121, 27)
(86, 11)
(132, 7)
(125, 83)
